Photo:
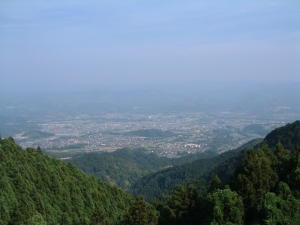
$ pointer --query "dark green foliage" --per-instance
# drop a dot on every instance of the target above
(258, 196)
(264, 189)
(125, 166)
(215, 185)
(37, 189)
(121, 167)
(180, 208)
(140, 213)
(269, 186)
(283, 208)
(288, 136)
(255, 176)
(224, 171)
(158, 183)
(11, 139)
(182, 200)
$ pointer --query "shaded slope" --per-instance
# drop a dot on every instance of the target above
(288, 136)
(263, 190)
(201, 172)
(125, 166)
(153, 185)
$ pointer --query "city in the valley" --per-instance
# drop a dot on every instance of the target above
(170, 124)
(170, 135)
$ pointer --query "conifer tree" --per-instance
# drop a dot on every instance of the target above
(215, 185)
(255, 176)
(140, 213)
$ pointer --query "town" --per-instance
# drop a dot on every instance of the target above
(191, 132)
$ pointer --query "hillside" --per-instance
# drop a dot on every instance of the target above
(36, 187)
(258, 186)
(121, 167)
(37, 135)
(125, 166)
(264, 189)
(225, 170)
(201, 172)
(154, 185)
(288, 136)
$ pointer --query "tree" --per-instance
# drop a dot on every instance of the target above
(282, 164)
(37, 219)
(215, 184)
(98, 217)
(281, 209)
(166, 214)
(227, 207)
(255, 176)
(39, 150)
(140, 213)
(182, 201)
(11, 139)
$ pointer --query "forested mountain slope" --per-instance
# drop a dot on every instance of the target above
(35, 187)
(288, 136)
(153, 185)
(125, 166)
(265, 189)
(200, 173)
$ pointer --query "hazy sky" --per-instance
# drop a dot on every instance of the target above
(100, 44)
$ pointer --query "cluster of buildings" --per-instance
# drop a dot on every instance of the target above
(193, 132)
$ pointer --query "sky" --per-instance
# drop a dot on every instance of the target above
(95, 45)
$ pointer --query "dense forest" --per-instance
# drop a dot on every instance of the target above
(259, 185)
(125, 166)
(264, 189)
(35, 187)
(288, 136)
(161, 182)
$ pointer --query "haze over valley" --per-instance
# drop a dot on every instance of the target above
(168, 123)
